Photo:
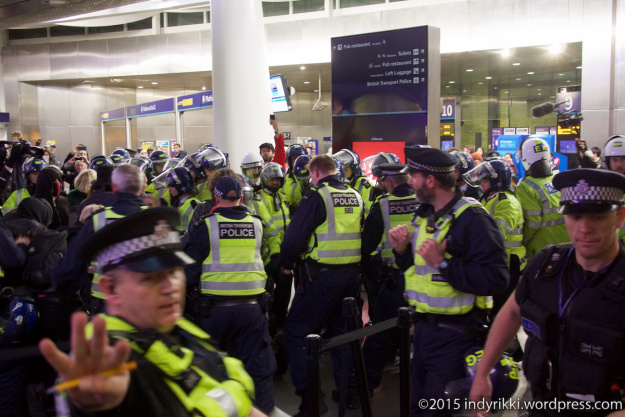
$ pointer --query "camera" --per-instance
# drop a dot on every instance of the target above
(34, 151)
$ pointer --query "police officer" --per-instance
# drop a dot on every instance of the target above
(179, 372)
(120, 157)
(392, 209)
(231, 276)
(355, 178)
(539, 199)
(301, 173)
(275, 214)
(158, 159)
(494, 178)
(210, 159)
(371, 263)
(251, 165)
(570, 303)
(71, 273)
(291, 191)
(454, 262)
(325, 235)
(31, 169)
(464, 165)
(181, 187)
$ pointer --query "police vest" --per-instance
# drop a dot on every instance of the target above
(162, 193)
(395, 211)
(543, 224)
(233, 266)
(585, 344)
(14, 200)
(508, 214)
(291, 191)
(426, 290)
(101, 219)
(186, 212)
(365, 188)
(204, 193)
(337, 240)
(225, 391)
(275, 214)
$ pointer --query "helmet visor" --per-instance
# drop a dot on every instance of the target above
(475, 176)
(160, 181)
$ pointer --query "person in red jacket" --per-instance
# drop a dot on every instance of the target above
(275, 154)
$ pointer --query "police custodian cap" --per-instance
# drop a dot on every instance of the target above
(429, 160)
(146, 241)
(589, 190)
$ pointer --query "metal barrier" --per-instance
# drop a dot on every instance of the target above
(315, 347)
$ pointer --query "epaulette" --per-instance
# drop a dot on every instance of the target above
(366, 184)
(502, 196)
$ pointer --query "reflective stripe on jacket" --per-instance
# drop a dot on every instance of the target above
(225, 393)
(233, 266)
(543, 224)
(426, 289)
(395, 211)
(337, 240)
(101, 219)
(508, 215)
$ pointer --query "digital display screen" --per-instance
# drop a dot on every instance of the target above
(568, 146)
(447, 144)
(280, 97)
(380, 87)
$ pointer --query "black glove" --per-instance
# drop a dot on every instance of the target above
(16, 154)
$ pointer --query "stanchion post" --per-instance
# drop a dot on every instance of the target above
(350, 312)
(313, 354)
(405, 324)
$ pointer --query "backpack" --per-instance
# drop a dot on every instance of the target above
(44, 252)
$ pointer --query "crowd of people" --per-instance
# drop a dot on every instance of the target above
(190, 267)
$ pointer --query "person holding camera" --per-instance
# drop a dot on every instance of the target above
(75, 165)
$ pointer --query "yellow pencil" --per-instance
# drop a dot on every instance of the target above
(73, 383)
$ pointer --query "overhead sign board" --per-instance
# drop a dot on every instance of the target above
(147, 109)
(201, 100)
(115, 114)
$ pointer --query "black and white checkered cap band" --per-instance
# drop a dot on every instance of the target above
(592, 194)
(128, 247)
(387, 172)
(430, 168)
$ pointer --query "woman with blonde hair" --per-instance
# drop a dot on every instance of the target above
(82, 185)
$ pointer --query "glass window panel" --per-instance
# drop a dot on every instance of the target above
(16, 34)
(184, 19)
(106, 29)
(66, 31)
(305, 6)
(140, 24)
(355, 3)
(275, 8)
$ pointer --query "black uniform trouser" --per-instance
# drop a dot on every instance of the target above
(242, 331)
(379, 346)
(12, 387)
(281, 295)
(318, 304)
(438, 358)
(372, 280)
